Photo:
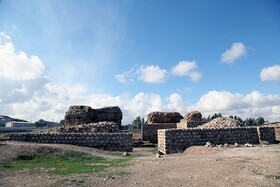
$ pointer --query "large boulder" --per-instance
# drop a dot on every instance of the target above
(164, 117)
(221, 122)
(79, 115)
(193, 116)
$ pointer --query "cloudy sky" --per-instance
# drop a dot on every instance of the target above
(212, 56)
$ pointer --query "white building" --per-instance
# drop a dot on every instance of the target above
(19, 124)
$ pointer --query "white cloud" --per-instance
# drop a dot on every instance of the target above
(20, 76)
(152, 74)
(17, 65)
(253, 104)
(126, 76)
(176, 103)
(186, 68)
(271, 73)
(237, 51)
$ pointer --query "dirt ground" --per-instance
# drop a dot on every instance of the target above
(198, 166)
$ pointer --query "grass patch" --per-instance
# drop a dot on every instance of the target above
(66, 163)
(273, 176)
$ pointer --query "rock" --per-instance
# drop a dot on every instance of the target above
(248, 145)
(208, 144)
(164, 117)
(126, 154)
(236, 145)
(221, 122)
(79, 115)
(158, 155)
(192, 116)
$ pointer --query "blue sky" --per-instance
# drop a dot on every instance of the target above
(183, 55)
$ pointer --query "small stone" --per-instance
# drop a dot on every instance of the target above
(125, 154)
(158, 155)
(236, 145)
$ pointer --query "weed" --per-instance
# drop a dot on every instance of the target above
(66, 163)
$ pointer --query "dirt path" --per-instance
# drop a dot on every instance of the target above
(197, 166)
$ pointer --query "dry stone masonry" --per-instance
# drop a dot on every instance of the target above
(149, 132)
(191, 120)
(159, 120)
(107, 141)
(177, 140)
(99, 128)
(164, 117)
(78, 115)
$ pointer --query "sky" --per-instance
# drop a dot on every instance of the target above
(212, 56)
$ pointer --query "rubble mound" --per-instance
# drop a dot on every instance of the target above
(164, 117)
(80, 115)
(221, 122)
(192, 116)
(99, 127)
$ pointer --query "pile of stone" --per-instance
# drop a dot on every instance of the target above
(164, 117)
(99, 127)
(221, 122)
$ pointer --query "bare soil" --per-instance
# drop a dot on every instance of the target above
(197, 166)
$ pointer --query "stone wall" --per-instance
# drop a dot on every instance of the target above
(189, 124)
(108, 141)
(177, 140)
(149, 131)
(277, 132)
(267, 134)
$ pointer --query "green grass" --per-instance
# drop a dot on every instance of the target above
(65, 163)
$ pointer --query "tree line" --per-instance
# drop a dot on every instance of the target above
(247, 122)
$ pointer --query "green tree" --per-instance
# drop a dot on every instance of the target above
(137, 122)
(259, 121)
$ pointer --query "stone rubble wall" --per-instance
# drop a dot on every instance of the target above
(177, 140)
(107, 141)
(267, 134)
(149, 131)
(277, 132)
(189, 124)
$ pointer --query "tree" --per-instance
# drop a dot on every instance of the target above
(259, 121)
(137, 122)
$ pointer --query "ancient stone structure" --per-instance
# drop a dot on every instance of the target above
(104, 126)
(192, 116)
(99, 128)
(191, 120)
(149, 132)
(78, 115)
(177, 140)
(109, 141)
(164, 117)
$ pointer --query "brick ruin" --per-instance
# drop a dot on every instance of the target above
(159, 120)
(191, 130)
(177, 140)
(98, 128)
